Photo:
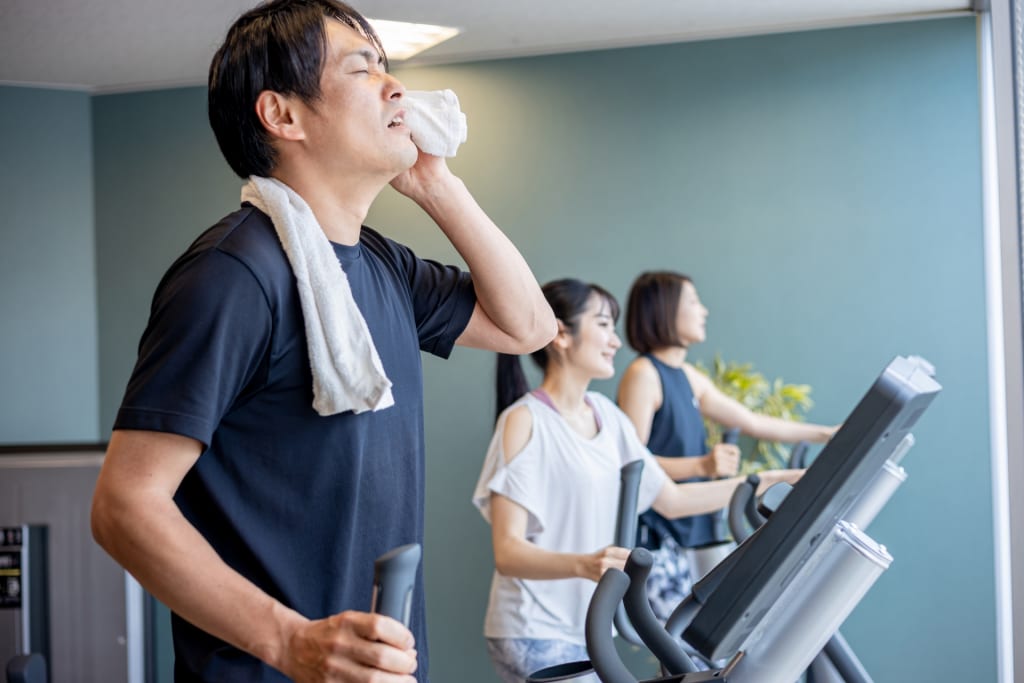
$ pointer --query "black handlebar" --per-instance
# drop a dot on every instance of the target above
(625, 535)
(798, 455)
(626, 521)
(394, 575)
(654, 635)
(753, 515)
(771, 499)
(738, 506)
(600, 646)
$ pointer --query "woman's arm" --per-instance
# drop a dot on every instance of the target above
(731, 413)
(698, 498)
(682, 468)
(640, 397)
(514, 556)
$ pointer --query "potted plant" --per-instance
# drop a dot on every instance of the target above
(768, 397)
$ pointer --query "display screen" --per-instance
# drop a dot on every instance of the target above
(768, 560)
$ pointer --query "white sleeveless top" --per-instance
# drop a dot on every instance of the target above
(569, 485)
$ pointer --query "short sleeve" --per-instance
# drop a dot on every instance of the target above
(653, 478)
(443, 299)
(207, 336)
(522, 481)
(652, 481)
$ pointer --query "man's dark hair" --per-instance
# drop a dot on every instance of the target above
(278, 46)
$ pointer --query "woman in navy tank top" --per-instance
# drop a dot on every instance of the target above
(666, 398)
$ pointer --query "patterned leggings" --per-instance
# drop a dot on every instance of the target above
(669, 581)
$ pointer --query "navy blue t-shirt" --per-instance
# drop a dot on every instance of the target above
(298, 503)
(677, 430)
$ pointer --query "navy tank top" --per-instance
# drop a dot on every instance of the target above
(677, 430)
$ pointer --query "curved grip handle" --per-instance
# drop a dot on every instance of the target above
(626, 521)
(600, 646)
(723, 526)
(754, 518)
(657, 640)
(798, 455)
(625, 534)
(772, 498)
(394, 575)
(741, 497)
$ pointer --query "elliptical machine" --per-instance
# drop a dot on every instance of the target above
(774, 604)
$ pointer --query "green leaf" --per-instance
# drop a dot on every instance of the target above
(776, 398)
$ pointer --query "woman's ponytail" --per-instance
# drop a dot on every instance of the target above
(510, 382)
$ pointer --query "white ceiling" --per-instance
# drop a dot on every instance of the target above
(121, 45)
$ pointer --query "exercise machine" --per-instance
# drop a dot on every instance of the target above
(394, 577)
(775, 603)
(24, 603)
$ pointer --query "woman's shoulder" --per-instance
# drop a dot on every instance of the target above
(641, 370)
(699, 382)
(641, 363)
(516, 426)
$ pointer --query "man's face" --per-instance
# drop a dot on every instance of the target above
(356, 125)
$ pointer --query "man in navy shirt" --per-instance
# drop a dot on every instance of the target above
(252, 517)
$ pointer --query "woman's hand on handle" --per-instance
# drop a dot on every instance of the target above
(594, 565)
(770, 477)
(722, 461)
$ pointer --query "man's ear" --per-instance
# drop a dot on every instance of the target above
(279, 115)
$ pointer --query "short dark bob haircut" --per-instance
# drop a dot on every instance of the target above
(651, 310)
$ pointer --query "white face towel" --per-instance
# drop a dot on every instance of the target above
(437, 124)
(347, 372)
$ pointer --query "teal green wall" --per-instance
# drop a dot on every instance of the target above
(48, 375)
(159, 179)
(823, 189)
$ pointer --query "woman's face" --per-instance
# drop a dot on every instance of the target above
(691, 316)
(594, 343)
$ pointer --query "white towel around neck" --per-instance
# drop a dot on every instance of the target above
(347, 371)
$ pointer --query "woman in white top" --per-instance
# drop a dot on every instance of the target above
(550, 485)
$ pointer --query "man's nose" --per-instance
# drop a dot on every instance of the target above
(395, 90)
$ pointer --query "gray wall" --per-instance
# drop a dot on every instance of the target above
(823, 188)
(48, 373)
(159, 179)
(87, 608)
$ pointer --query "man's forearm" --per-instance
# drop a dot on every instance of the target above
(505, 286)
(176, 564)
